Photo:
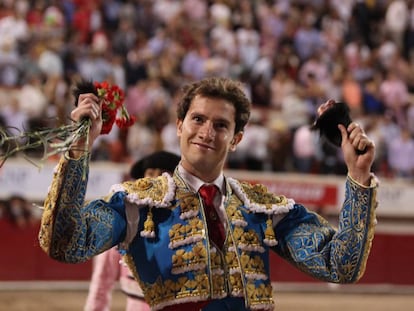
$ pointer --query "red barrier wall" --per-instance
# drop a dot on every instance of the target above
(22, 259)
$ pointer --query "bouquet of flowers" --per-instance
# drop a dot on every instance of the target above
(113, 109)
(60, 139)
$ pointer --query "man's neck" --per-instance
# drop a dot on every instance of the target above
(195, 182)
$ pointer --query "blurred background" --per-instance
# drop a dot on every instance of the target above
(291, 56)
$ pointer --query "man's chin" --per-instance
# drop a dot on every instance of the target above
(201, 162)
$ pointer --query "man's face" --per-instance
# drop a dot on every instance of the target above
(206, 136)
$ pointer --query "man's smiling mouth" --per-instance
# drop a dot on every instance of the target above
(203, 146)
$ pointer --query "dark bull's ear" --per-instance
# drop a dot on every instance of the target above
(327, 122)
(83, 87)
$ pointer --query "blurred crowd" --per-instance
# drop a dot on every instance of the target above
(291, 56)
(17, 210)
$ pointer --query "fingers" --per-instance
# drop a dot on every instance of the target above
(88, 106)
(357, 137)
(343, 131)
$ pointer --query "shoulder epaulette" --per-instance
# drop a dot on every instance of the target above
(258, 199)
(153, 192)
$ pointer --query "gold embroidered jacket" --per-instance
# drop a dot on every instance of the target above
(171, 256)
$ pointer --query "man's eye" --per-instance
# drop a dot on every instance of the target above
(221, 125)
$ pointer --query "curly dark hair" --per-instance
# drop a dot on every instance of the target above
(222, 88)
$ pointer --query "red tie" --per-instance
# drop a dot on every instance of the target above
(214, 224)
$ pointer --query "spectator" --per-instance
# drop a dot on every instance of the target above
(394, 94)
(179, 41)
(256, 143)
(281, 86)
(142, 140)
(304, 148)
(396, 21)
(9, 64)
(307, 39)
(400, 155)
(20, 211)
(32, 99)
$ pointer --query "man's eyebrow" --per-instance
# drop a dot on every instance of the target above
(222, 120)
(216, 120)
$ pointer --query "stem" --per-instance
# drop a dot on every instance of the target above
(53, 140)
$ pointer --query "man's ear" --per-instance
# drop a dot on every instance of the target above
(179, 124)
(235, 141)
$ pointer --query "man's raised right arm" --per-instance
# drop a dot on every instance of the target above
(72, 231)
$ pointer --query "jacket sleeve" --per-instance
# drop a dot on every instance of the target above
(331, 254)
(71, 230)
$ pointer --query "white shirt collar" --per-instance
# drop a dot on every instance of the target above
(195, 183)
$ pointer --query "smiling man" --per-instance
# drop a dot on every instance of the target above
(199, 240)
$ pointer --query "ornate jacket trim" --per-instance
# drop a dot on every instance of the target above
(363, 195)
(202, 271)
(153, 192)
(374, 182)
(259, 200)
(47, 223)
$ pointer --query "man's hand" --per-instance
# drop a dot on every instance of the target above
(89, 106)
(354, 140)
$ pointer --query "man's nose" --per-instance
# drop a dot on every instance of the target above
(208, 131)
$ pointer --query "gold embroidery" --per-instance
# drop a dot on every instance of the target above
(216, 261)
(195, 259)
(144, 184)
(238, 233)
(259, 194)
(167, 292)
(46, 228)
(259, 295)
(189, 205)
(235, 215)
(231, 260)
(253, 266)
(236, 284)
(149, 226)
(181, 234)
(155, 188)
(270, 237)
(250, 240)
(218, 285)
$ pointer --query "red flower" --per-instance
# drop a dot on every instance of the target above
(113, 101)
(108, 119)
(125, 122)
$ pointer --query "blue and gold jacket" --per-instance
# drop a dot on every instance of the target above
(170, 254)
